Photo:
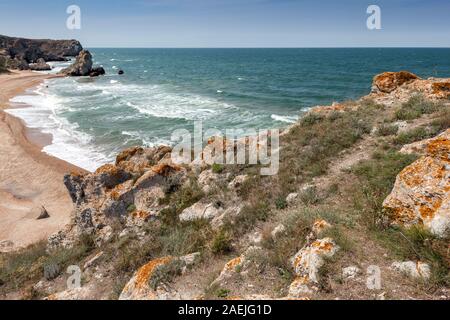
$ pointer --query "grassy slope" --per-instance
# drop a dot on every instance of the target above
(351, 200)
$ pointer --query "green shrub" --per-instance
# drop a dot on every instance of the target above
(310, 196)
(217, 168)
(387, 130)
(3, 64)
(281, 203)
(166, 273)
(221, 243)
(412, 135)
(376, 179)
(415, 107)
(131, 208)
(223, 293)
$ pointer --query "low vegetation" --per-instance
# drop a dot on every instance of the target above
(415, 107)
(3, 68)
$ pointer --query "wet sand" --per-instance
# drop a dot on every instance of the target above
(29, 178)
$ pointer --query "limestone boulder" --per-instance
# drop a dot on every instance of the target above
(308, 261)
(390, 81)
(421, 194)
(415, 270)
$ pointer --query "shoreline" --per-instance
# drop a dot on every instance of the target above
(29, 178)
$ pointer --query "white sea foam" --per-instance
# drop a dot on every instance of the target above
(68, 143)
(286, 119)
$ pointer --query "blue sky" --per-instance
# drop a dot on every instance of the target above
(232, 23)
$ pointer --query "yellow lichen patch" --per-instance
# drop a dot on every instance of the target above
(389, 81)
(128, 153)
(145, 273)
(301, 280)
(143, 215)
(428, 210)
(441, 89)
(231, 265)
(116, 192)
(324, 245)
(319, 226)
(440, 147)
(107, 168)
(165, 169)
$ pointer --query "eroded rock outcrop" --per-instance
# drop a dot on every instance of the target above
(21, 52)
(389, 81)
(129, 190)
(81, 67)
(421, 194)
(142, 287)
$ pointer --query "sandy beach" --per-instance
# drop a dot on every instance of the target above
(29, 178)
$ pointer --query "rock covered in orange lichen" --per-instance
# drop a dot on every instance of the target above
(308, 261)
(299, 287)
(441, 89)
(389, 81)
(138, 288)
(320, 226)
(127, 154)
(421, 194)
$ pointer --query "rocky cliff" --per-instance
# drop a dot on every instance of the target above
(21, 52)
(362, 184)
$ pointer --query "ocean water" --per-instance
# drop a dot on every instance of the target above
(167, 89)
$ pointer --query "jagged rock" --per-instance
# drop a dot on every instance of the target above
(98, 71)
(291, 199)
(82, 293)
(237, 182)
(17, 63)
(131, 190)
(278, 231)
(230, 214)
(320, 226)
(416, 270)
(299, 288)
(191, 259)
(207, 179)
(139, 287)
(20, 52)
(236, 265)
(199, 211)
(421, 194)
(308, 261)
(230, 268)
(104, 235)
(40, 65)
(94, 260)
(42, 213)
(81, 67)
(441, 89)
(389, 81)
(350, 272)
(256, 238)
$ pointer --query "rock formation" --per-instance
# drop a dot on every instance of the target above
(83, 67)
(389, 81)
(20, 52)
(421, 194)
(40, 65)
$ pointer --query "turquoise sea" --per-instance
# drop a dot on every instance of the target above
(167, 89)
